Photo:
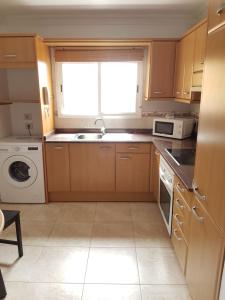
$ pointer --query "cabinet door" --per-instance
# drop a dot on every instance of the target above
(204, 256)
(17, 49)
(179, 72)
(57, 162)
(132, 172)
(216, 16)
(188, 44)
(200, 47)
(162, 68)
(154, 179)
(92, 167)
(210, 158)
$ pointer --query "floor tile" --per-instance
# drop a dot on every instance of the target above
(33, 232)
(113, 212)
(42, 212)
(148, 212)
(61, 265)
(71, 234)
(151, 235)
(111, 292)
(165, 292)
(43, 291)
(119, 234)
(112, 265)
(78, 212)
(19, 269)
(159, 266)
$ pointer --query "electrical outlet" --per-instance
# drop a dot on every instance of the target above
(27, 117)
(28, 125)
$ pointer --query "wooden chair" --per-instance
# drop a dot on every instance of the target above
(2, 285)
(10, 217)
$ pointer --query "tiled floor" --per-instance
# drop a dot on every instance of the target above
(92, 251)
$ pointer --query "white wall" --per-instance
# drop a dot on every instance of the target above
(5, 120)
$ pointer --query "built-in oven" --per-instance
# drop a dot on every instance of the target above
(166, 193)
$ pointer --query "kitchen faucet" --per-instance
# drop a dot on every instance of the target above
(103, 128)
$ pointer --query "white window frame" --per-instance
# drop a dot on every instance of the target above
(59, 95)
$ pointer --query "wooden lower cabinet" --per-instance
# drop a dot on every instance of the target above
(92, 167)
(57, 165)
(154, 178)
(132, 172)
(204, 256)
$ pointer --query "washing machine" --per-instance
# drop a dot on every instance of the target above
(21, 170)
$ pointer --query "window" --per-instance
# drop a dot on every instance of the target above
(98, 88)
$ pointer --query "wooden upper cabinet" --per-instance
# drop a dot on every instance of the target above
(92, 167)
(200, 47)
(162, 67)
(179, 71)
(204, 256)
(17, 50)
(210, 158)
(216, 15)
(154, 178)
(57, 165)
(188, 59)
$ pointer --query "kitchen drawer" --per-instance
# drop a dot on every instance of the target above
(179, 244)
(133, 148)
(180, 188)
(181, 214)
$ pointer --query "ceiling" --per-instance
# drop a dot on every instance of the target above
(63, 6)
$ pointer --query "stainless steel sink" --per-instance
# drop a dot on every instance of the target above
(89, 136)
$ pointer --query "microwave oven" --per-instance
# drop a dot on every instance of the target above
(179, 128)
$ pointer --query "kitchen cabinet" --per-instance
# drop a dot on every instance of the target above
(17, 51)
(210, 159)
(154, 178)
(204, 255)
(200, 47)
(92, 167)
(216, 16)
(179, 71)
(162, 68)
(57, 167)
(132, 167)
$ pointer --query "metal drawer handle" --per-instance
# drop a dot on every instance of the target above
(157, 92)
(133, 148)
(186, 93)
(179, 204)
(176, 236)
(10, 55)
(124, 158)
(180, 188)
(105, 147)
(58, 148)
(221, 10)
(196, 192)
(197, 217)
(180, 223)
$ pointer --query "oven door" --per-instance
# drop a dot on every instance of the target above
(166, 203)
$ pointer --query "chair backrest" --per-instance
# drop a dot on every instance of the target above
(2, 221)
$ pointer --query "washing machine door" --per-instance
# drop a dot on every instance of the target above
(19, 171)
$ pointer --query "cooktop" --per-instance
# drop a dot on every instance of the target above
(182, 156)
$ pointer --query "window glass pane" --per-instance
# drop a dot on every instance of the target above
(118, 87)
(80, 88)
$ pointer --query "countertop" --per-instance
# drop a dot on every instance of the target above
(184, 172)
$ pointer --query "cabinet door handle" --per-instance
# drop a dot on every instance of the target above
(199, 196)
(157, 153)
(176, 236)
(221, 10)
(195, 214)
(186, 93)
(157, 92)
(180, 188)
(124, 158)
(105, 147)
(10, 55)
(179, 204)
(133, 148)
(180, 223)
(178, 93)
(58, 148)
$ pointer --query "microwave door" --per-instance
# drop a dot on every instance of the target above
(166, 128)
